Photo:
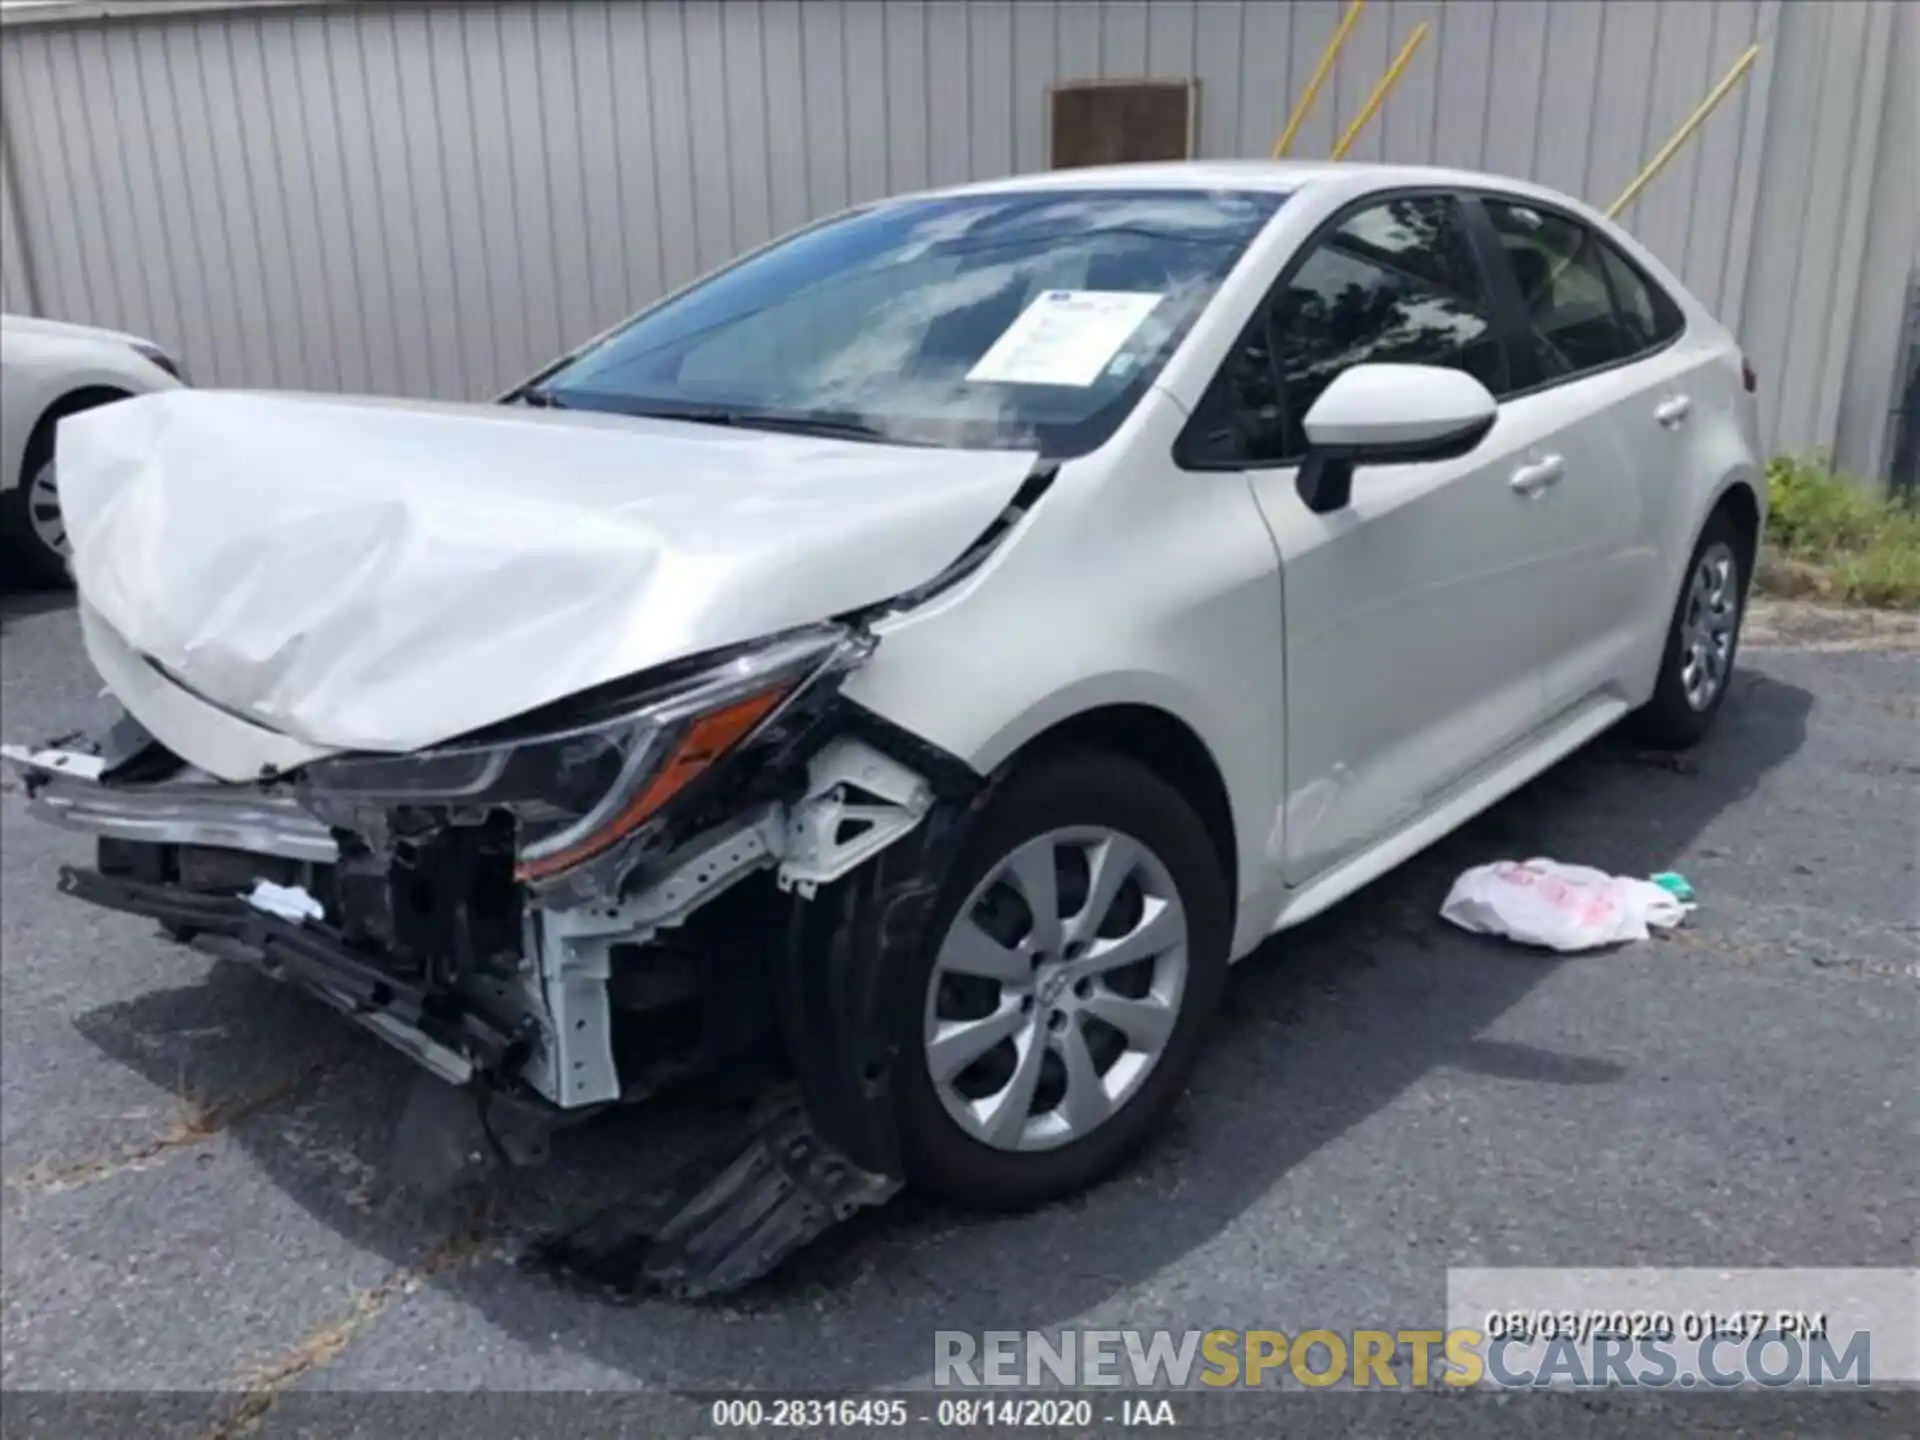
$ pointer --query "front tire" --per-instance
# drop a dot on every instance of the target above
(1056, 1007)
(1702, 641)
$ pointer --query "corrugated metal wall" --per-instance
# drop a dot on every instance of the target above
(432, 199)
(16, 284)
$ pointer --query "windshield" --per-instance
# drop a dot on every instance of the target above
(1015, 320)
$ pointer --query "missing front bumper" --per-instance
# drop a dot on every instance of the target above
(411, 922)
(454, 1041)
(211, 813)
(573, 1016)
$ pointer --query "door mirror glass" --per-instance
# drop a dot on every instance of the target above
(1399, 412)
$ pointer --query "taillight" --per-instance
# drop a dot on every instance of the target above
(1747, 377)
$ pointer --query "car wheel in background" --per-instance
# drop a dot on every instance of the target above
(31, 524)
(35, 535)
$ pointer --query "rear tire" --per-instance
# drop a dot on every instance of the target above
(1702, 641)
(1076, 817)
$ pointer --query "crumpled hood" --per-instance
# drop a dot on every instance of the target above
(384, 575)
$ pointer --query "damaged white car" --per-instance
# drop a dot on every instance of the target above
(926, 652)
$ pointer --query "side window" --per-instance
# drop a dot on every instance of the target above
(1585, 305)
(1238, 421)
(1396, 282)
(1646, 311)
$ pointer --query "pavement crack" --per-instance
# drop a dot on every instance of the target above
(201, 1123)
(262, 1385)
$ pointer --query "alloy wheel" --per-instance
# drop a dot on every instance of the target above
(1707, 628)
(43, 509)
(1056, 989)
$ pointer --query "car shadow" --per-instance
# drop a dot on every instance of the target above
(17, 601)
(1321, 1030)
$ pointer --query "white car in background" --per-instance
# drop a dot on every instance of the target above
(48, 370)
(927, 651)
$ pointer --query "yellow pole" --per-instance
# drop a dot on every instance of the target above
(1654, 166)
(1380, 91)
(1320, 73)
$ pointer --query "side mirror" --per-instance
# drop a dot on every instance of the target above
(1388, 415)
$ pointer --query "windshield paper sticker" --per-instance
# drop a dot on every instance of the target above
(1065, 337)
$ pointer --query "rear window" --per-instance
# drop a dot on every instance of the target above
(1587, 306)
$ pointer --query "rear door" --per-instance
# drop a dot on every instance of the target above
(1413, 623)
(1602, 372)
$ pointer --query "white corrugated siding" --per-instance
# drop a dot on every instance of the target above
(432, 199)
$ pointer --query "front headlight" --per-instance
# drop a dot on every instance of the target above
(580, 780)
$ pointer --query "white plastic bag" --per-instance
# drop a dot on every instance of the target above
(289, 902)
(1563, 907)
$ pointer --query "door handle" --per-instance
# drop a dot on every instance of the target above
(1670, 412)
(1532, 478)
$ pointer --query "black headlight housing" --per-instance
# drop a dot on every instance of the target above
(580, 776)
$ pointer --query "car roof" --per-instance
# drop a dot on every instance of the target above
(1179, 174)
(65, 330)
(1352, 180)
(1284, 176)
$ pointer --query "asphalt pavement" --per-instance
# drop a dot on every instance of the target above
(196, 1199)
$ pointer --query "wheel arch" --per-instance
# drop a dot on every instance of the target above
(1740, 501)
(68, 402)
(1159, 741)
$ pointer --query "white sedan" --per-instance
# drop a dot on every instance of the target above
(49, 370)
(931, 649)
